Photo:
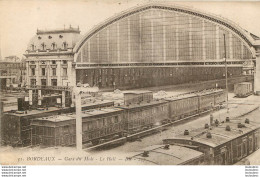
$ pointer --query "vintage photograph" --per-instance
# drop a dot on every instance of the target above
(129, 82)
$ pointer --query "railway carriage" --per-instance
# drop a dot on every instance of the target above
(220, 97)
(182, 105)
(145, 115)
(16, 125)
(99, 125)
(243, 89)
(221, 145)
(206, 100)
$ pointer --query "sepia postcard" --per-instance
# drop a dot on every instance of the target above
(129, 82)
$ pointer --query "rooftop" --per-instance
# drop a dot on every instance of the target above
(86, 115)
(96, 102)
(142, 104)
(219, 133)
(58, 118)
(33, 112)
(159, 155)
(62, 30)
(53, 42)
(137, 91)
(95, 112)
(193, 94)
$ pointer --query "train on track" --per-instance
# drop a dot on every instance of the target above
(221, 143)
(110, 122)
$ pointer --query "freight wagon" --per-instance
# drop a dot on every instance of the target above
(183, 105)
(145, 115)
(16, 125)
(243, 89)
(189, 104)
(97, 126)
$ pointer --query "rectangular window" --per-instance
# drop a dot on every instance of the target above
(33, 71)
(116, 119)
(53, 62)
(43, 81)
(64, 71)
(43, 71)
(33, 81)
(54, 82)
(64, 62)
(54, 71)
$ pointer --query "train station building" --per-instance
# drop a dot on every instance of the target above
(149, 45)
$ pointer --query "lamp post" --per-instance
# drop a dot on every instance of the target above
(226, 72)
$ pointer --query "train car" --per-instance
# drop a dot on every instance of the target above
(101, 125)
(145, 115)
(136, 96)
(167, 155)
(206, 100)
(98, 125)
(182, 105)
(221, 145)
(16, 125)
(57, 130)
(219, 97)
(96, 104)
(243, 89)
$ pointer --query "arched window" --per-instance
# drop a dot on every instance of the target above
(53, 45)
(43, 46)
(32, 46)
(65, 45)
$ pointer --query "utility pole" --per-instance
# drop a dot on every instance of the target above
(225, 57)
(78, 120)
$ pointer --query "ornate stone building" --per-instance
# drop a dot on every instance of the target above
(50, 57)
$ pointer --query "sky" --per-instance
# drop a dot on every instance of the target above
(19, 19)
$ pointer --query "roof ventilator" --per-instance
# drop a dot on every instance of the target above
(240, 125)
(186, 132)
(208, 135)
(247, 121)
(227, 119)
(167, 146)
(206, 126)
(146, 154)
(216, 122)
(228, 128)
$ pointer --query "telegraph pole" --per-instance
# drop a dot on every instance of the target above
(225, 57)
(78, 120)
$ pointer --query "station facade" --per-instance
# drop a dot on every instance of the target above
(150, 45)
